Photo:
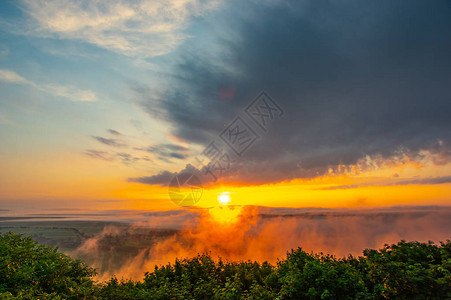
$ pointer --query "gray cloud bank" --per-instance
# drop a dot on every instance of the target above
(355, 79)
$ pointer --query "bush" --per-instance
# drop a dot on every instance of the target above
(29, 270)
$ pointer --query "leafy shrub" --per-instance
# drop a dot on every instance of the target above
(29, 270)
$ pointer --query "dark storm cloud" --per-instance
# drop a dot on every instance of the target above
(355, 79)
(108, 142)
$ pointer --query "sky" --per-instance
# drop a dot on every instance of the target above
(306, 103)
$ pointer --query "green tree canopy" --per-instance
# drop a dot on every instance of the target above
(406, 270)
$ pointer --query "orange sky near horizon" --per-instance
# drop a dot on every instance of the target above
(75, 182)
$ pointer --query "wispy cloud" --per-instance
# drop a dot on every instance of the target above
(128, 159)
(423, 181)
(168, 151)
(70, 92)
(67, 91)
(125, 158)
(114, 132)
(103, 155)
(135, 28)
(108, 142)
(11, 76)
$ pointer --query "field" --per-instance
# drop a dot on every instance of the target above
(66, 235)
(112, 243)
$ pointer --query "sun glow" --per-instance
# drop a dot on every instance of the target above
(225, 214)
(224, 198)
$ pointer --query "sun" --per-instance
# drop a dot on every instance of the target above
(224, 198)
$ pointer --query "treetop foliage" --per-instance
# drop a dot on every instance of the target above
(406, 270)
